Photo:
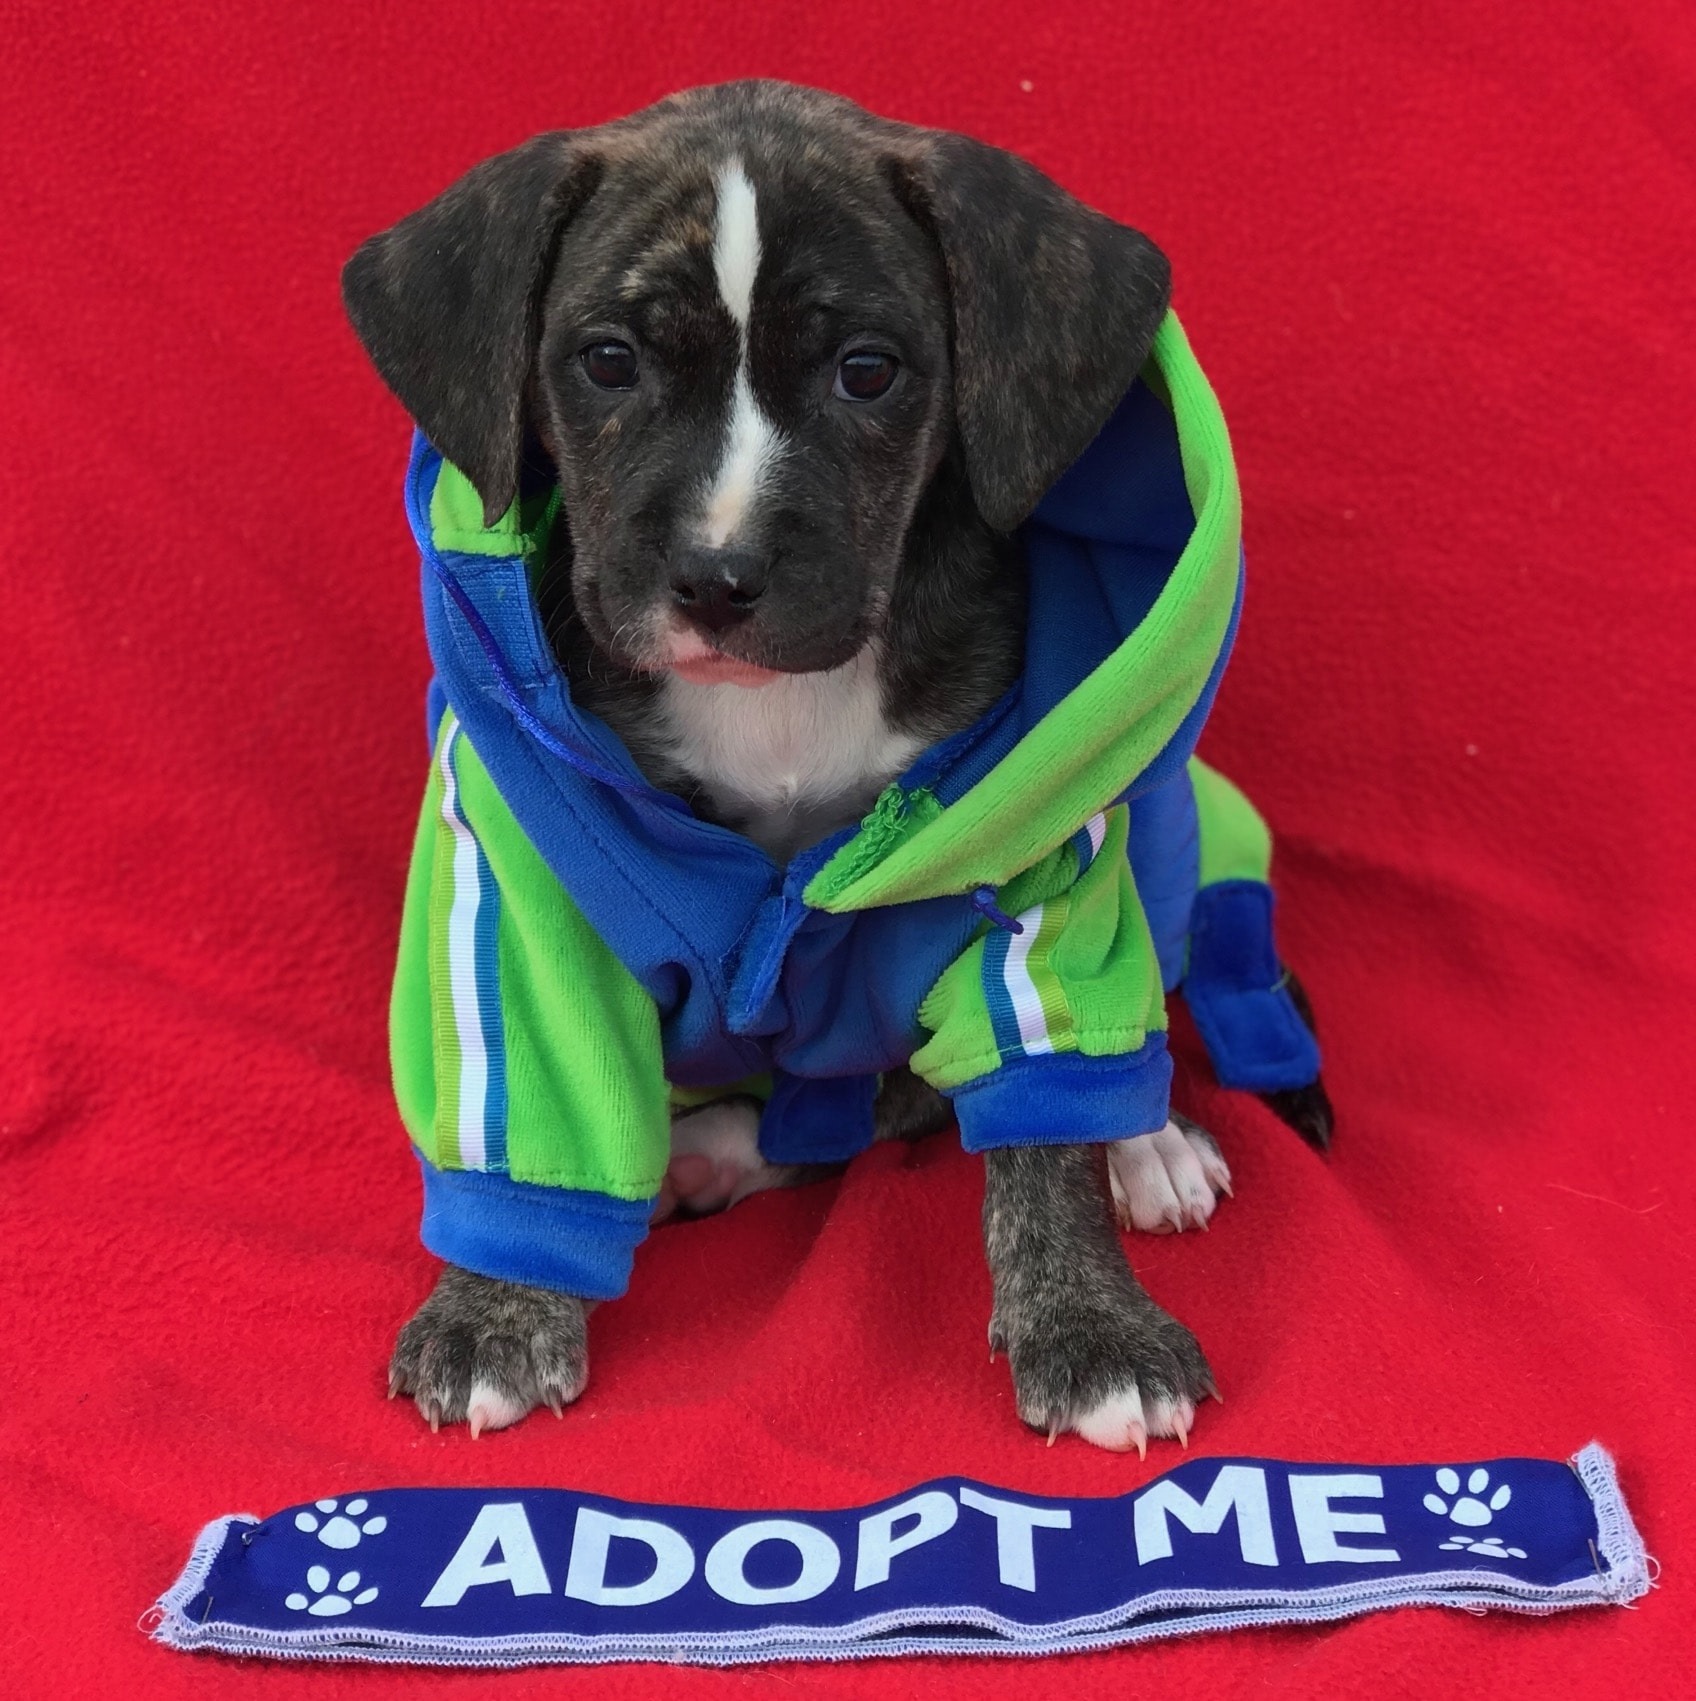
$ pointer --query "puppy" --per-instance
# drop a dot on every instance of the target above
(793, 786)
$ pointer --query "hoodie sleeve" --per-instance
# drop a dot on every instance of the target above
(1235, 985)
(527, 1060)
(1054, 1030)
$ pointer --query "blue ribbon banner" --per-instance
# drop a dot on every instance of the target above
(508, 1577)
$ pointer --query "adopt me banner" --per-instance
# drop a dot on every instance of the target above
(508, 1577)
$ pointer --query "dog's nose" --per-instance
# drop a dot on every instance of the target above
(716, 588)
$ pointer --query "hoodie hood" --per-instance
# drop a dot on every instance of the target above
(1135, 581)
(1135, 586)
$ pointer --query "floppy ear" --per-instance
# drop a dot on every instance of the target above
(447, 303)
(1054, 307)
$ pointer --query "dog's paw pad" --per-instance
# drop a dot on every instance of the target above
(340, 1526)
(325, 1602)
(1168, 1181)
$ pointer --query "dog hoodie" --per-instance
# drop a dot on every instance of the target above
(579, 952)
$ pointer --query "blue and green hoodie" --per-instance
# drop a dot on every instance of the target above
(580, 952)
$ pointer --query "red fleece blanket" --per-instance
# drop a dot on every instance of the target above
(1438, 262)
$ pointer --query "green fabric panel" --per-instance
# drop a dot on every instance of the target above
(456, 519)
(1092, 744)
(954, 1012)
(894, 818)
(411, 1053)
(586, 1090)
(962, 1043)
(1235, 842)
(444, 1027)
(1105, 958)
(1050, 989)
(1101, 958)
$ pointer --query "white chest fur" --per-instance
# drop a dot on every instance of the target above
(789, 762)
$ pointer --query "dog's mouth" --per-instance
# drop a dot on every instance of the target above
(659, 641)
(715, 668)
(689, 657)
(697, 657)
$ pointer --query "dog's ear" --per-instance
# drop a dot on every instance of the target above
(448, 303)
(1053, 309)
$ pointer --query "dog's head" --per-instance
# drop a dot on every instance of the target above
(749, 325)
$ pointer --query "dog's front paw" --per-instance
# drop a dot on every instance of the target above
(1110, 1366)
(1166, 1182)
(484, 1352)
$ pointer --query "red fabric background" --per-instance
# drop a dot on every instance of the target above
(1438, 261)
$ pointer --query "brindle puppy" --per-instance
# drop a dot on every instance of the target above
(799, 372)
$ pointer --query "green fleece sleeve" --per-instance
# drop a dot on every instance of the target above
(1236, 843)
(1055, 1030)
(521, 1046)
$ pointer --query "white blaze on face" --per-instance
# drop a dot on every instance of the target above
(752, 442)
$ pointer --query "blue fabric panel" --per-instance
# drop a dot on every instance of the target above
(1236, 992)
(817, 1122)
(435, 706)
(546, 1237)
(1100, 548)
(1164, 845)
(1065, 1097)
(504, 1576)
(1127, 486)
(833, 995)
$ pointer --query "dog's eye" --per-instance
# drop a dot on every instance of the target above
(864, 375)
(610, 365)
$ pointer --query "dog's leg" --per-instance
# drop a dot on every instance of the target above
(486, 1352)
(909, 1108)
(1166, 1182)
(1305, 1109)
(1089, 1350)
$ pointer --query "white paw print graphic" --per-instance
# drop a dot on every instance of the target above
(1472, 1511)
(1484, 1547)
(326, 1603)
(338, 1529)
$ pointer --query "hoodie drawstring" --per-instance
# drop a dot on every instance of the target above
(983, 901)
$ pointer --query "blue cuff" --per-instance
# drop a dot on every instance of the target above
(825, 1121)
(1065, 1097)
(1236, 992)
(546, 1237)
